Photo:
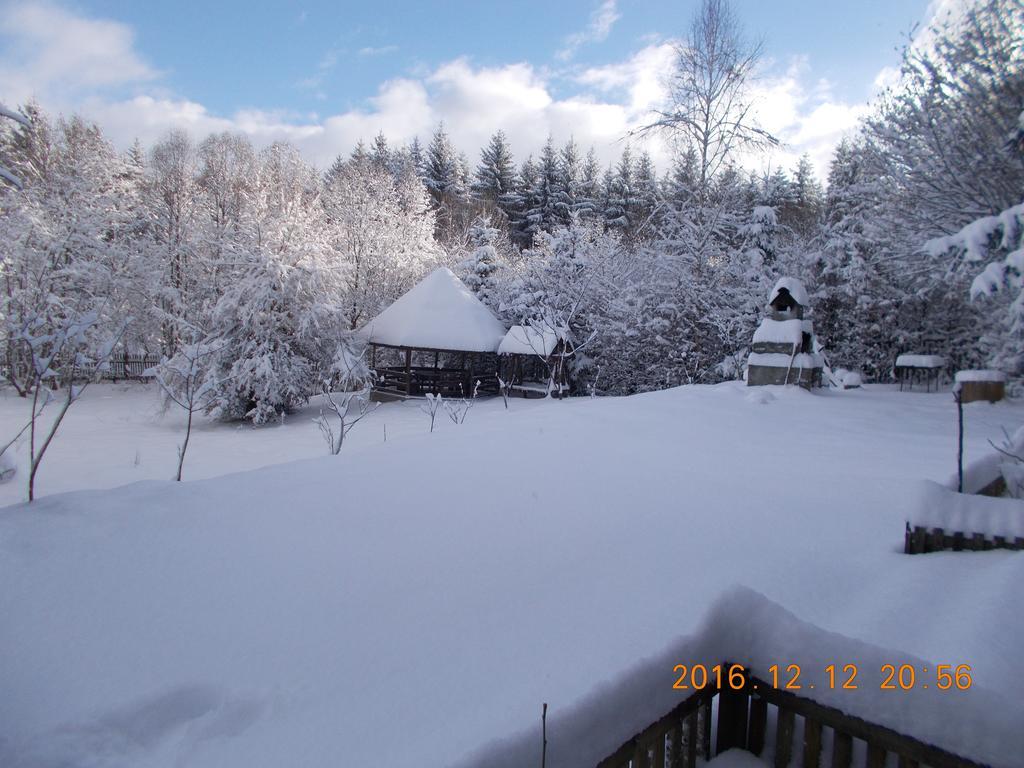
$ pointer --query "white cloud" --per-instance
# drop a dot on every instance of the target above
(601, 22)
(804, 115)
(50, 53)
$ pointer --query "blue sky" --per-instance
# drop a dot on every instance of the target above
(322, 74)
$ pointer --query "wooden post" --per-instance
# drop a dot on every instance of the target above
(732, 719)
(960, 441)
(876, 756)
(705, 728)
(758, 724)
(842, 750)
(675, 754)
(659, 751)
(812, 743)
(543, 713)
(784, 738)
(639, 755)
(408, 373)
(692, 737)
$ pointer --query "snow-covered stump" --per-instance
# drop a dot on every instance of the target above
(981, 385)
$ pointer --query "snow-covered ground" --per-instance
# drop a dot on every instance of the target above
(404, 603)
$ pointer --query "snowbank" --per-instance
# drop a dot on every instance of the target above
(845, 379)
(796, 290)
(962, 376)
(745, 627)
(527, 340)
(920, 361)
(780, 331)
(439, 313)
(968, 513)
(410, 600)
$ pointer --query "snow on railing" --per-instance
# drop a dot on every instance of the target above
(945, 519)
(933, 717)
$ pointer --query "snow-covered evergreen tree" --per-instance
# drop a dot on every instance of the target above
(479, 271)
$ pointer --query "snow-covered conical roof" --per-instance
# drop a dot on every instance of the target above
(440, 312)
(794, 287)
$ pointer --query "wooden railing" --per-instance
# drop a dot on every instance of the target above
(919, 540)
(684, 734)
(448, 382)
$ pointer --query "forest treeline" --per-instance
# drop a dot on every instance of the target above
(268, 264)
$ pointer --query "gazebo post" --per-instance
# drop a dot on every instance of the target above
(373, 356)
(408, 373)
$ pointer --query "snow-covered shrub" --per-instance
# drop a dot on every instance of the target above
(276, 326)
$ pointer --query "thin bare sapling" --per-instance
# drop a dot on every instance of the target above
(458, 410)
(430, 407)
(60, 355)
(187, 381)
(345, 405)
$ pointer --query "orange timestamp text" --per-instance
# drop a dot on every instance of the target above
(892, 677)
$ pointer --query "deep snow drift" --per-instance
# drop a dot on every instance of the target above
(406, 603)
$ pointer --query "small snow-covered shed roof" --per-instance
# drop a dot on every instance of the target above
(440, 312)
(920, 361)
(527, 340)
(795, 289)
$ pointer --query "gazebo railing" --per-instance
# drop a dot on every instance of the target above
(417, 381)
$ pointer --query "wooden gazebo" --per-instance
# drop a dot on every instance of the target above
(438, 338)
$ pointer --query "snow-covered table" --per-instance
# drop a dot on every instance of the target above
(926, 367)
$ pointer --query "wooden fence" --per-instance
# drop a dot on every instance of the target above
(920, 540)
(684, 734)
(130, 366)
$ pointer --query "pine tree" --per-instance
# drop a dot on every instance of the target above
(495, 175)
(621, 195)
(380, 155)
(527, 184)
(568, 187)
(442, 167)
(808, 199)
(479, 271)
(588, 201)
(542, 199)
(645, 199)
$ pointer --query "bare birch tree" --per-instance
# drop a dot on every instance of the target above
(709, 106)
